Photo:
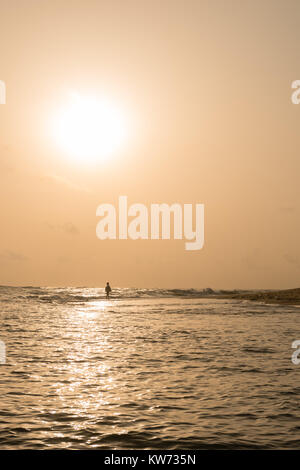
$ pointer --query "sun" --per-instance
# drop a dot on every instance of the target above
(89, 129)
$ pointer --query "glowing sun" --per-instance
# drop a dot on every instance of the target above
(89, 129)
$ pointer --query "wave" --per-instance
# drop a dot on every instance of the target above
(77, 295)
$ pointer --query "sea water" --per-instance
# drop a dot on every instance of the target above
(146, 369)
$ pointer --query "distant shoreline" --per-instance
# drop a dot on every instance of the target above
(284, 297)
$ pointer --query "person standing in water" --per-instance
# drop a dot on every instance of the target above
(107, 289)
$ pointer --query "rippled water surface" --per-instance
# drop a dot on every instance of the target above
(146, 370)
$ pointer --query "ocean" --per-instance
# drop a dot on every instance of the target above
(146, 369)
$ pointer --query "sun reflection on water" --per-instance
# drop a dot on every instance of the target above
(94, 309)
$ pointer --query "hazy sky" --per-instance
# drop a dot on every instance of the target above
(205, 87)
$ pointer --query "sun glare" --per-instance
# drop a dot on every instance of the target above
(89, 129)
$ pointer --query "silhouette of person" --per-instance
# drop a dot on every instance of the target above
(107, 289)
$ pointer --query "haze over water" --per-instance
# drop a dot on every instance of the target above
(148, 369)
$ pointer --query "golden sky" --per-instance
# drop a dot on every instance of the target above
(205, 89)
